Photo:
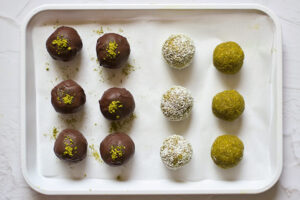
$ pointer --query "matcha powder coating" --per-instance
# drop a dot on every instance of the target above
(228, 57)
(227, 151)
(228, 105)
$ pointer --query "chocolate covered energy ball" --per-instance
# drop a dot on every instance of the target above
(178, 51)
(116, 149)
(228, 57)
(112, 50)
(64, 43)
(116, 103)
(70, 145)
(67, 97)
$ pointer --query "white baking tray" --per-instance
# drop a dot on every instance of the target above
(254, 27)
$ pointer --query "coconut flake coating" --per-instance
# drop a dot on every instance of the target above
(176, 152)
(178, 51)
(177, 103)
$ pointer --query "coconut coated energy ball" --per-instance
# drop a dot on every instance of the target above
(177, 103)
(176, 152)
(178, 51)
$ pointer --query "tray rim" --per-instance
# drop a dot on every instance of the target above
(202, 6)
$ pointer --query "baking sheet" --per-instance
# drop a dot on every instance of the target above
(146, 30)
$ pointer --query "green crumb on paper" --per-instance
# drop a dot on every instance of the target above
(121, 30)
(95, 153)
(122, 125)
(47, 66)
(99, 31)
(101, 75)
(71, 121)
(56, 24)
(128, 69)
(95, 124)
(84, 175)
(119, 178)
(54, 133)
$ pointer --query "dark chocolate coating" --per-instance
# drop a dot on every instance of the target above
(68, 88)
(70, 145)
(121, 95)
(115, 140)
(122, 51)
(74, 44)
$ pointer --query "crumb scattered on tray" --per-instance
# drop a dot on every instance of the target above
(95, 153)
(128, 69)
(56, 24)
(54, 132)
(99, 32)
(122, 125)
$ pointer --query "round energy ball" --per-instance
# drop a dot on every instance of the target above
(112, 50)
(70, 145)
(64, 43)
(228, 105)
(177, 103)
(228, 57)
(178, 51)
(227, 151)
(116, 103)
(176, 152)
(116, 149)
(67, 97)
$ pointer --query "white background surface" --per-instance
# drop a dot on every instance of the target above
(12, 184)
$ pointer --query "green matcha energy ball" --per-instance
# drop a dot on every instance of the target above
(178, 51)
(228, 57)
(228, 105)
(227, 151)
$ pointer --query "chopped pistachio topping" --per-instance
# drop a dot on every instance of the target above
(114, 106)
(61, 44)
(95, 154)
(68, 99)
(54, 132)
(111, 49)
(117, 151)
(68, 146)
